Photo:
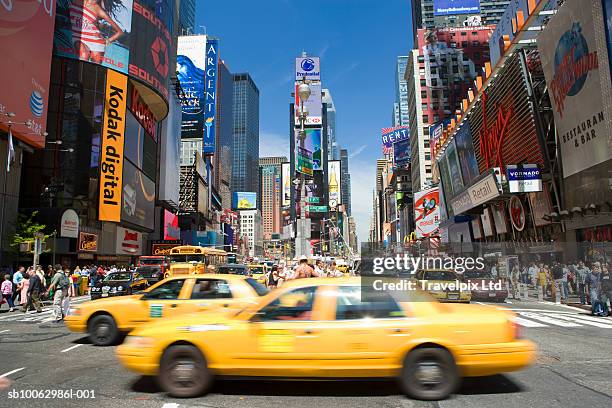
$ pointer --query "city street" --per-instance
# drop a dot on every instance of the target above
(572, 370)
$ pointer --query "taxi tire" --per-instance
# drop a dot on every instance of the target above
(443, 359)
(187, 352)
(112, 331)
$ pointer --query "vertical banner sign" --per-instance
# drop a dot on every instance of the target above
(210, 95)
(111, 155)
(427, 212)
(190, 66)
(286, 184)
(570, 61)
(334, 183)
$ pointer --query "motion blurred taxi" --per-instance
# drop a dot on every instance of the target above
(258, 272)
(342, 266)
(321, 328)
(106, 319)
(445, 285)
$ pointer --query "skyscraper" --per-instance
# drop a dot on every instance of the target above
(245, 160)
(270, 194)
(401, 90)
(345, 188)
(332, 144)
(187, 17)
(225, 126)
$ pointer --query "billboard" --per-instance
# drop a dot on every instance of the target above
(26, 37)
(570, 61)
(138, 197)
(171, 226)
(286, 184)
(466, 154)
(190, 67)
(307, 67)
(451, 7)
(210, 95)
(128, 242)
(401, 153)
(313, 105)
(607, 9)
(391, 135)
(427, 212)
(334, 183)
(169, 157)
(314, 144)
(94, 31)
(245, 200)
(153, 20)
(88, 242)
(111, 149)
(69, 224)
(453, 166)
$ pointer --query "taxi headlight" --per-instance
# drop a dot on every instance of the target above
(74, 311)
(120, 288)
(139, 341)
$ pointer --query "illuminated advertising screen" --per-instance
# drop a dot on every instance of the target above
(210, 96)
(171, 226)
(313, 144)
(453, 166)
(244, 200)
(392, 135)
(466, 155)
(190, 66)
(313, 106)
(151, 48)
(427, 212)
(401, 153)
(94, 31)
(451, 7)
(26, 38)
(334, 183)
(138, 197)
(286, 184)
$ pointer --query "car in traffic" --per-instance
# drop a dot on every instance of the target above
(317, 328)
(443, 284)
(119, 284)
(484, 287)
(233, 269)
(152, 273)
(258, 271)
(105, 320)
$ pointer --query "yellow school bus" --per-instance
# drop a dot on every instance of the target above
(187, 260)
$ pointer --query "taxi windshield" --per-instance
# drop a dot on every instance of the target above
(440, 275)
(187, 258)
(256, 269)
(118, 276)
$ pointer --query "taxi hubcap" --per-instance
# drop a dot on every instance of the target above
(183, 372)
(102, 331)
(429, 373)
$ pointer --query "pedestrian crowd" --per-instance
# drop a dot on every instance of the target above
(303, 268)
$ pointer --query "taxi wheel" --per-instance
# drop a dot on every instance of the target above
(429, 374)
(103, 330)
(183, 372)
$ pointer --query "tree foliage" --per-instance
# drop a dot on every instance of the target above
(26, 229)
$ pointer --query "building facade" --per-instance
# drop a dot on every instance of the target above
(270, 194)
(245, 160)
(345, 188)
(401, 91)
(225, 134)
(187, 14)
(251, 227)
(333, 149)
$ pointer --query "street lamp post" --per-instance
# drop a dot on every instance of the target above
(303, 93)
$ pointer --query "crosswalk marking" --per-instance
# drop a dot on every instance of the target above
(581, 319)
(527, 323)
(33, 317)
(548, 320)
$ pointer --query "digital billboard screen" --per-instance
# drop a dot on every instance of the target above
(314, 144)
(190, 66)
(138, 197)
(244, 200)
(450, 7)
(466, 155)
(171, 226)
(286, 184)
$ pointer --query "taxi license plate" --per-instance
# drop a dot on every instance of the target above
(453, 296)
(276, 341)
(104, 294)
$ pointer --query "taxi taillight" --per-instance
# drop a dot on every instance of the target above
(516, 330)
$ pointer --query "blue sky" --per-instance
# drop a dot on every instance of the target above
(358, 42)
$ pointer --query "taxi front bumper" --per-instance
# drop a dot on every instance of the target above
(75, 324)
(140, 360)
(489, 359)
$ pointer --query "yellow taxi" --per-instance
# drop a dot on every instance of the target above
(258, 272)
(342, 266)
(443, 284)
(321, 328)
(106, 319)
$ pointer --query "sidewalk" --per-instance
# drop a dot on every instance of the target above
(573, 300)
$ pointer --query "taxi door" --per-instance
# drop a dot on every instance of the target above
(282, 336)
(202, 294)
(167, 299)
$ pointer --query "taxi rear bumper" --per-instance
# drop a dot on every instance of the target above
(490, 359)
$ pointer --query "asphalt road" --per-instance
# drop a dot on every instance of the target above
(574, 369)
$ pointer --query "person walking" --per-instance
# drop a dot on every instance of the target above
(17, 278)
(59, 284)
(542, 279)
(557, 274)
(7, 292)
(34, 289)
(606, 289)
(593, 281)
(581, 274)
(23, 289)
(303, 270)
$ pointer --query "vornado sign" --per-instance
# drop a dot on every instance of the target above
(111, 155)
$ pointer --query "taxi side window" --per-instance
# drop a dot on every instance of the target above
(169, 290)
(349, 305)
(211, 289)
(294, 305)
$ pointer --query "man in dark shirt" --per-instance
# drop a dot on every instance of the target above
(34, 290)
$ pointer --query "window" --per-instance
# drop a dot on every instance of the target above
(425, 119)
(169, 290)
(260, 289)
(211, 289)
(349, 305)
(294, 305)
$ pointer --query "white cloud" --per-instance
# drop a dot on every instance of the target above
(273, 144)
